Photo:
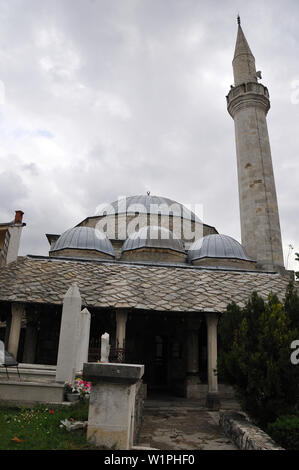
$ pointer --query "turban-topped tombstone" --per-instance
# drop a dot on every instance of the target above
(105, 348)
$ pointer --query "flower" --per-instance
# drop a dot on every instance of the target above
(79, 386)
(16, 439)
(68, 387)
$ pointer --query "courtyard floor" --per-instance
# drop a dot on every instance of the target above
(178, 426)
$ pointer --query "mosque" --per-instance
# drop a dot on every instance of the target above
(151, 273)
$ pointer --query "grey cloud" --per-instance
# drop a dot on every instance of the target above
(12, 190)
(133, 92)
(32, 168)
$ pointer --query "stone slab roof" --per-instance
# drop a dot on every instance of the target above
(138, 286)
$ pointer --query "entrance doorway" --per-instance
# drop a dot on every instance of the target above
(161, 360)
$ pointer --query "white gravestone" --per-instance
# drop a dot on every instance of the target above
(83, 341)
(2, 352)
(105, 347)
(69, 336)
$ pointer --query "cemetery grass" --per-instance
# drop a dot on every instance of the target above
(38, 428)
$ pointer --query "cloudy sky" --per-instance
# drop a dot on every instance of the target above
(102, 98)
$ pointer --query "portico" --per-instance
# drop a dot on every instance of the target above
(178, 349)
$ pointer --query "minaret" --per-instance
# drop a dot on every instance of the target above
(248, 104)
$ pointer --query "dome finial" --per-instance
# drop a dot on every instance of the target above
(148, 193)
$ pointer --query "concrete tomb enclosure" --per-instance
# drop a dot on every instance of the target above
(112, 403)
(29, 393)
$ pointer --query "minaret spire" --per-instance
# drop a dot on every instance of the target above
(244, 61)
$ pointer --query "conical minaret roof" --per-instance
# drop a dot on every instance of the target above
(243, 61)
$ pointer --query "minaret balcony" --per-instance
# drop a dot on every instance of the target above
(247, 94)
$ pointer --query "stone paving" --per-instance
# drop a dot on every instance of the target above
(182, 428)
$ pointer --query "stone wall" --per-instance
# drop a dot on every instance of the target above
(154, 254)
(120, 226)
(226, 262)
(244, 433)
(80, 253)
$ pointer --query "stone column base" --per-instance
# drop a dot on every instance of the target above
(213, 401)
(193, 387)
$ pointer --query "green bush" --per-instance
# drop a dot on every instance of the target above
(254, 354)
(285, 431)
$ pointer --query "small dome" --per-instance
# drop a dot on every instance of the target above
(153, 237)
(83, 238)
(217, 246)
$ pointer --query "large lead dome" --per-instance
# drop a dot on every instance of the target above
(147, 204)
(121, 218)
